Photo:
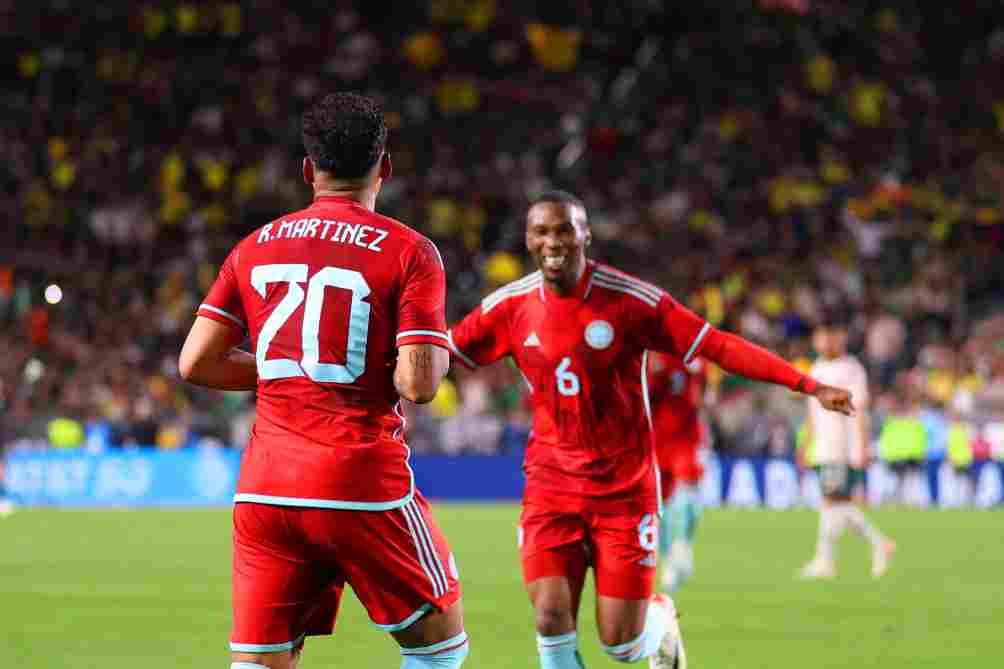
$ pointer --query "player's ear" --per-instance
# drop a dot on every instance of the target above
(386, 167)
(588, 237)
(308, 171)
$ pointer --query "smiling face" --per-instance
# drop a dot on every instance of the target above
(556, 237)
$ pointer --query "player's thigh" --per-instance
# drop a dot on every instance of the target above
(624, 554)
(554, 555)
(400, 566)
(552, 543)
(433, 628)
(618, 620)
(280, 593)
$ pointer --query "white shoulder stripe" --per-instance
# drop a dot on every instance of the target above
(643, 286)
(524, 285)
(488, 305)
(533, 276)
(644, 297)
(225, 314)
(508, 288)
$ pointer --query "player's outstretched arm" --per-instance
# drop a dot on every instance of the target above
(420, 368)
(739, 356)
(208, 358)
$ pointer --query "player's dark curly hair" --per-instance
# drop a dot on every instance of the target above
(344, 134)
(559, 196)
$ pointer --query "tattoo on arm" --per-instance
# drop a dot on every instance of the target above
(421, 361)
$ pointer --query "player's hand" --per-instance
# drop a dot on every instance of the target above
(835, 399)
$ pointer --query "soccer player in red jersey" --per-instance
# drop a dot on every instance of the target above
(345, 313)
(675, 391)
(578, 331)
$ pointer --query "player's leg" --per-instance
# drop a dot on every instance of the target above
(279, 595)
(667, 528)
(833, 479)
(437, 640)
(633, 624)
(399, 565)
(685, 511)
(554, 560)
(855, 520)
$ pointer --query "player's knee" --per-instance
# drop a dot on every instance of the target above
(628, 651)
(449, 654)
(553, 620)
(618, 637)
(287, 660)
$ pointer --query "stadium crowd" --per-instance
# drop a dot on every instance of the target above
(764, 161)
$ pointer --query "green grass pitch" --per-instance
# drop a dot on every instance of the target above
(149, 590)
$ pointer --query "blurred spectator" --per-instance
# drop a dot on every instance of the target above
(763, 161)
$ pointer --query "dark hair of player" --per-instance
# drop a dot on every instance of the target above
(834, 318)
(559, 196)
(344, 134)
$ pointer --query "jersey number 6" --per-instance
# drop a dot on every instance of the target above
(309, 364)
(568, 382)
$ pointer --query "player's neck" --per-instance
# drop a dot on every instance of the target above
(363, 194)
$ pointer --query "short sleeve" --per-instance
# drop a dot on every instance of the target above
(859, 386)
(672, 328)
(421, 311)
(223, 303)
(482, 337)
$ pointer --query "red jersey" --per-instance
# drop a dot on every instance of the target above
(583, 357)
(327, 294)
(675, 392)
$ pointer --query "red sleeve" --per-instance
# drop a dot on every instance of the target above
(672, 328)
(421, 310)
(223, 303)
(481, 338)
(739, 356)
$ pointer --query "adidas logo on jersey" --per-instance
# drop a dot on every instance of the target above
(532, 340)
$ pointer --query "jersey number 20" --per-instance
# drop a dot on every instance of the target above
(310, 364)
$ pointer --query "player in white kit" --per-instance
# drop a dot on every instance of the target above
(841, 450)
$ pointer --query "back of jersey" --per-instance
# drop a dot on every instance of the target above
(327, 294)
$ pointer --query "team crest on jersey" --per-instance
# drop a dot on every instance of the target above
(599, 335)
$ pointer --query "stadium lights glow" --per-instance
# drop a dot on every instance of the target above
(53, 294)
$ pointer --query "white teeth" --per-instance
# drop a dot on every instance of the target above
(554, 262)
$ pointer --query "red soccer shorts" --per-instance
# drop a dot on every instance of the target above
(620, 548)
(290, 565)
(678, 463)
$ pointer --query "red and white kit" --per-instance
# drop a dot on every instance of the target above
(591, 473)
(327, 294)
(675, 390)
